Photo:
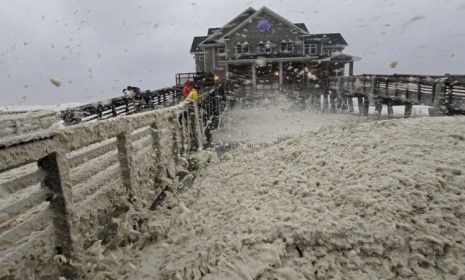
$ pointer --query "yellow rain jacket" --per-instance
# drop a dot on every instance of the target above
(193, 95)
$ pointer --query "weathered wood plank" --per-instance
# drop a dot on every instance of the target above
(83, 172)
(21, 229)
(32, 199)
(77, 159)
(22, 182)
(25, 152)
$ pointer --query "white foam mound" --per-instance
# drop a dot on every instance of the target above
(276, 117)
(377, 200)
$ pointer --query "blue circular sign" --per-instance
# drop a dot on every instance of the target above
(264, 26)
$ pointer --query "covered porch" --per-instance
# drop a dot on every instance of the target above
(278, 73)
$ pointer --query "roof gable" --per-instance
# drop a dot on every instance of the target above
(270, 13)
(229, 26)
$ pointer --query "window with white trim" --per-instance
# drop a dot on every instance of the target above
(221, 50)
(242, 48)
(245, 47)
(264, 48)
(238, 48)
(311, 48)
(286, 47)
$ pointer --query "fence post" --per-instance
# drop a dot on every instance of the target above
(187, 128)
(439, 93)
(156, 148)
(182, 132)
(124, 145)
(57, 180)
(175, 135)
(195, 126)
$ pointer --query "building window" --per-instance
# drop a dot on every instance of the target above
(290, 47)
(327, 52)
(335, 52)
(264, 48)
(287, 47)
(242, 48)
(311, 49)
(221, 50)
(245, 47)
(239, 48)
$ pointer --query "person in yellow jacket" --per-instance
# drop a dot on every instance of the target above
(193, 95)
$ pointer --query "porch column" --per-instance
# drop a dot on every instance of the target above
(280, 75)
(254, 76)
(351, 68)
(226, 72)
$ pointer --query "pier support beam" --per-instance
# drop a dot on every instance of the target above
(325, 102)
(360, 104)
(280, 75)
(378, 109)
(366, 106)
(316, 99)
(344, 102)
(332, 98)
(390, 110)
(350, 103)
(408, 110)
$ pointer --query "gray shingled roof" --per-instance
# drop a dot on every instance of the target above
(225, 29)
(301, 26)
(196, 42)
(212, 30)
(330, 38)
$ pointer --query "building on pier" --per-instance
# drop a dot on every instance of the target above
(260, 47)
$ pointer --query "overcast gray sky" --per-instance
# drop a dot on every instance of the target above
(96, 48)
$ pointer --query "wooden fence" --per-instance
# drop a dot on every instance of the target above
(133, 101)
(446, 94)
(59, 191)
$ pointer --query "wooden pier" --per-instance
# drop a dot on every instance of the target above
(446, 94)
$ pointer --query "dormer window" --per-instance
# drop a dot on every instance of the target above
(287, 46)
